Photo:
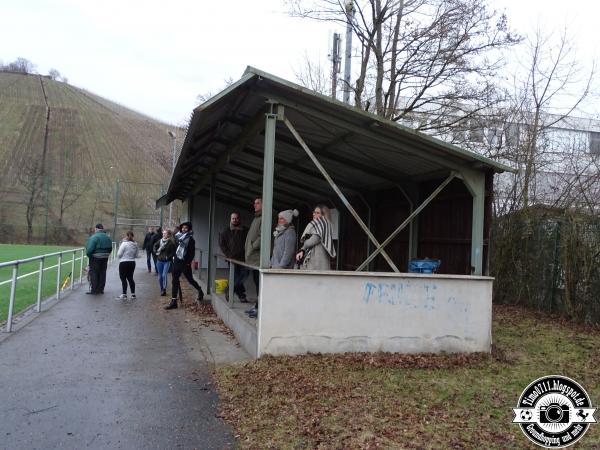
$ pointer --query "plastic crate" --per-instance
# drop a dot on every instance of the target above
(424, 265)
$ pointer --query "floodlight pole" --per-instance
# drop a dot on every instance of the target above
(174, 138)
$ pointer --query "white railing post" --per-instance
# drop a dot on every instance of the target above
(38, 307)
(58, 276)
(81, 269)
(73, 270)
(11, 303)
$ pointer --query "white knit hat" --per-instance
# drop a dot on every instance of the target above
(289, 215)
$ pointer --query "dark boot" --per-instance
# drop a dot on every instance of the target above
(172, 305)
(200, 296)
(163, 293)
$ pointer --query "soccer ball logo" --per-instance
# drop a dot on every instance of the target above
(526, 415)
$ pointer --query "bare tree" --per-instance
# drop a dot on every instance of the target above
(436, 57)
(54, 74)
(31, 178)
(20, 65)
(70, 192)
(551, 80)
(311, 74)
(201, 98)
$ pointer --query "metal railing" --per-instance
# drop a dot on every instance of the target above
(40, 271)
(232, 263)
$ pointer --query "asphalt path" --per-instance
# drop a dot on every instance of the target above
(94, 372)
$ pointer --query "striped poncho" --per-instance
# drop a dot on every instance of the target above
(322, 228)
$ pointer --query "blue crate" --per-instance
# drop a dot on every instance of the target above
(424, 265)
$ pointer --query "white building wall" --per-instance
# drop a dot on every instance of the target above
(335, 312)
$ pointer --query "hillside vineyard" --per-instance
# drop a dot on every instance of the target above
(62, 150)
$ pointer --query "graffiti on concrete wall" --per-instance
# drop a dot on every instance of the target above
(425, 295)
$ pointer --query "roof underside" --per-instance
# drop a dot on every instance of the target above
(360, 151)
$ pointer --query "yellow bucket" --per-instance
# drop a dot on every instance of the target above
(221, 286)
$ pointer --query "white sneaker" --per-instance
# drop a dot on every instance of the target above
(122, 297)
(133, 297)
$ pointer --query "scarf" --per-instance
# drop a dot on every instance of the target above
(279, 229)
(322, 228)
(183, 239)
(162, 245)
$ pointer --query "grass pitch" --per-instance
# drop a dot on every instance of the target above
(26, 293)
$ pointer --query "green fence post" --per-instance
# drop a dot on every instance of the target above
(555, 267)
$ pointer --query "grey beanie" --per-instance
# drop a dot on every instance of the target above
(289, 215)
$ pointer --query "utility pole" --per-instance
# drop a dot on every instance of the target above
(117, 195)
(172, 170)
(348, 54)
(47, 181)
(336, 62)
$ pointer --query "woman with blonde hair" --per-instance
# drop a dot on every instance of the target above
(317, 241)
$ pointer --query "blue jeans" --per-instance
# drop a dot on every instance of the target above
(163, 273)
(240, 274)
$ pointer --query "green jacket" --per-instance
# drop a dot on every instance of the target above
(252, 246)
(98, 245)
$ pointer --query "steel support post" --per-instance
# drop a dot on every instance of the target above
(339, 193)
(408, 220)
(81, 269)
(58, 276)
(11, 302)
(211, 229)
(73, 270)
(413, 227)
(231, 281)
(38, 304)
(475, 182)
(267, 189)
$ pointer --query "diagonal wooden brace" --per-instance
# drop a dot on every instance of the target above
(409, 219)
(339, 193)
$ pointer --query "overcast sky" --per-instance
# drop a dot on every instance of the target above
(156, 57)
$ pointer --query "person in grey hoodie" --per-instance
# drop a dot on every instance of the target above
(284, 244)
(127, 254)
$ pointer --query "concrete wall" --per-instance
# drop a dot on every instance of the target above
(200, 223)
(336, 312)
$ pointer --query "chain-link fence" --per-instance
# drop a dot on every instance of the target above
(52, 210)
(549, 261)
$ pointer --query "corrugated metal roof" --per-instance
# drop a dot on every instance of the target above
(361, 151)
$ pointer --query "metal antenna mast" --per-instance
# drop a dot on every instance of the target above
(348, 55)
(336, 62)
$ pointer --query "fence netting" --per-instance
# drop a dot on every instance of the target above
(549, 261)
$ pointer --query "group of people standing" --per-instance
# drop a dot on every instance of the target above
(243, 244)
(172, 252)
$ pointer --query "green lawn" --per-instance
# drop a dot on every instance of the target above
(370, 401)
(26, 293)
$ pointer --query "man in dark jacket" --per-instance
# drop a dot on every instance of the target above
(155, 238)
(232, 242)
(182, 261)
(148, 246)
(98, 249)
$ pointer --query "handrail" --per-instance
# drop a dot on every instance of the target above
(37, 258)
(236, 261)
(41, 258)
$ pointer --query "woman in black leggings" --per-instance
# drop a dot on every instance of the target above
(127, 254)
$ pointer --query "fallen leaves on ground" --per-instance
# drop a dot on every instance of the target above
(383, 400)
